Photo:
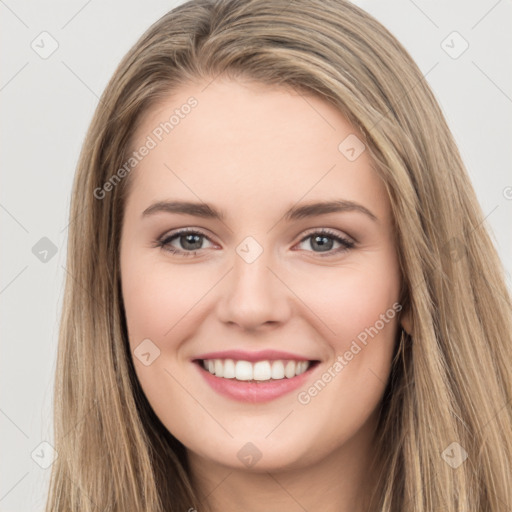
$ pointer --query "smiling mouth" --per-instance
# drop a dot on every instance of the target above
(259, 371)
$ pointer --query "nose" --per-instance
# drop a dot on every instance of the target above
(254, 296)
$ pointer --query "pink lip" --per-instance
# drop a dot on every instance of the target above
(254, 392)
(262, 355)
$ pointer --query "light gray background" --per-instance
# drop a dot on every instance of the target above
(47, 105)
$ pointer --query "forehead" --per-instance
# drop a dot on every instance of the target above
(237, 142)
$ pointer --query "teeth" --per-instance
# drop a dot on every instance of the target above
(229, 369)
(261, 370)
(289, 369)
(243, 370)
(218, 368)
(258, 371)
(277, 370)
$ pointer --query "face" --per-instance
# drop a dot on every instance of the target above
(257, 241)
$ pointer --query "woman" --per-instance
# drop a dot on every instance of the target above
(282, 293)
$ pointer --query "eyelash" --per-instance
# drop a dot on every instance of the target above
(164, 243)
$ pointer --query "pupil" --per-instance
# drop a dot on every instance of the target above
(192, 239)
(324, 243)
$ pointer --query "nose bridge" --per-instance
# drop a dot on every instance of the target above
(253, 295)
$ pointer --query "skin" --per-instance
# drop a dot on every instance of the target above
(253, 151)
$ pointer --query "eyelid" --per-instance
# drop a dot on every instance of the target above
(184, 231)
(329, 231)
(345, 241)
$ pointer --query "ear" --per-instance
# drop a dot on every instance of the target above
(406, 320)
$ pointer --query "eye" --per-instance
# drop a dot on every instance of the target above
(325, 239)
(189, 242)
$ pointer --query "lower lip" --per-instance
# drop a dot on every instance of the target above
(254, 392)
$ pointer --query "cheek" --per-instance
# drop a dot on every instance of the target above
(158, 300)
(162, 305)
(359, 313)
(352, 299)
(362, 303)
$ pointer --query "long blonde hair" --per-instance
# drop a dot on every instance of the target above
(451, 378)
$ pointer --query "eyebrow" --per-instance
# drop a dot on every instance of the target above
(207, 211)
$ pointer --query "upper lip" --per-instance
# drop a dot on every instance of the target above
(262, 355)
